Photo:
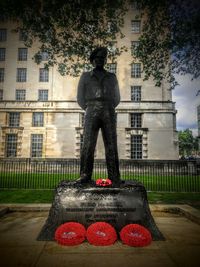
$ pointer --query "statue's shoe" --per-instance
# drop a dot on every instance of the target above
(84, 180)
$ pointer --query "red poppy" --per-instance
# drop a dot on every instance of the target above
(135, 235)
(103, 182)
(70, 234)
(101, 234)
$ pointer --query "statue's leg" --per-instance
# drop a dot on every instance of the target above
(110, 142)
(90, 134)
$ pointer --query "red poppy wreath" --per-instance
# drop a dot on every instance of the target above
(135, 235)
(103, 182)
(70, 234)
(101, 234)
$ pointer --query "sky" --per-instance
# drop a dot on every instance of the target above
(187, 100)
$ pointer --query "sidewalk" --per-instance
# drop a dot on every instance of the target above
(19, 230)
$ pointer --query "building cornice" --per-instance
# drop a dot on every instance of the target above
(72, 106)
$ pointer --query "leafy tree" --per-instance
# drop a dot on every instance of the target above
(187, 143)
(69, 29)
(171, 37)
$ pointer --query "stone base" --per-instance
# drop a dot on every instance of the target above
(88, 203)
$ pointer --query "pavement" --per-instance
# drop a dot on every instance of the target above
(20, 225)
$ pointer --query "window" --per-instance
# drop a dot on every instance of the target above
(20, 94)
(134, 45)
(22, 54)
(1, 74)
(44, 56)
(112, 47)
(135, 5)
(14, 119)
(1, 94)
(21, 74)
(111, 27)
(2, 54)
(135, 26)
(136, 93)
(82, 119)
(38, 119)
(3, 35)
(22, 35)
(43, 95)
(81, 142)
(136, 147)
(174, 122)
(44, 75)
(11, 145)
(36, 145)
(112, 67)
(136, 120)
(136, 70)
(87, 67)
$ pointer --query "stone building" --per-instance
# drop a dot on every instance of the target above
(198, 123)
(39, 115)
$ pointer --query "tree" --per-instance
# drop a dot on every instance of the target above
(171, 37)
(69, 30)
(187, 143)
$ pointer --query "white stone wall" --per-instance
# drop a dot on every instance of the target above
(62, 129)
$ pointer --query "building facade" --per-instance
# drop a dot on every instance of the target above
(39, 115)
(198, 123)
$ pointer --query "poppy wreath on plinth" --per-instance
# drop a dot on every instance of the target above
(101, 234)
(103, 182)
(135, 235)
(70, 234)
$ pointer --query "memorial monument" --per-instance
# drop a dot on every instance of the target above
(83, 201)
(98, 94)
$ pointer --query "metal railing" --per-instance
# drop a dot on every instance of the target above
(156, 175)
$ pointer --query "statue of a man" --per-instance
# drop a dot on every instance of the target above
(98, 94)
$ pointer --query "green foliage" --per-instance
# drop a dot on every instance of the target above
(69, 30)
(170, 41)
(187, 143)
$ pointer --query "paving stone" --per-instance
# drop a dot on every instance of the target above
(19, 247)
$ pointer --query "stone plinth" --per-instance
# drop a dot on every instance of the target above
(88, 204)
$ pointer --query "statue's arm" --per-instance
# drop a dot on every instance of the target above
(117, 93)
(81, 92)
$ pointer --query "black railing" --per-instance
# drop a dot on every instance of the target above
(156, 175)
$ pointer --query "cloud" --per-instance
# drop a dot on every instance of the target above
(187, 100)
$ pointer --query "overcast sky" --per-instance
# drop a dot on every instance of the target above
(187, 100)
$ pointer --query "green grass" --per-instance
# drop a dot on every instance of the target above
(26, 196)
(49, 181)
(170, 198)
(33, 180)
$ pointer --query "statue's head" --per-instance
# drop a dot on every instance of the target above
(98, 56)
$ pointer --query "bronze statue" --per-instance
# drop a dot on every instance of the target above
(98, 94)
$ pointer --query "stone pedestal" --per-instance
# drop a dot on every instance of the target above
(87, 204)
